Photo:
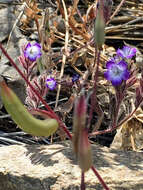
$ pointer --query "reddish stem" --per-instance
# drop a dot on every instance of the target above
(100, 178)
(94, 103)
(82, 186)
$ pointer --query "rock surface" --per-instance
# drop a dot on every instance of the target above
(6, 27)
(6, 22)
(53, 167)
(15, 44)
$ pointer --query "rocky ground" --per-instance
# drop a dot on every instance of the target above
(53, 167)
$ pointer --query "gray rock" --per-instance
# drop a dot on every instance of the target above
(17, 40)
(19, 87)
(14, 50)
(6, 23)
(53, 167)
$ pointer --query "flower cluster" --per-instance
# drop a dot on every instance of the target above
(117, 67)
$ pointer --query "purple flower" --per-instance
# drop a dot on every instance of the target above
(51, 83)
(116, 59)
(116, 72)
(127, 52)
(75, 78)
(32, 51)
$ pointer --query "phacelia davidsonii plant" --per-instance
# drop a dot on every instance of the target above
(118, 72)
(53, 121)
(121, 71)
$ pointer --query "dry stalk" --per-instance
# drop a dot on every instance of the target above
(65, 51)
(116, 11)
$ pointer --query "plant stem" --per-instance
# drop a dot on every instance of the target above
(94, 102)
(115, 125)
(82, 186)
(100, 178)
(35, 91)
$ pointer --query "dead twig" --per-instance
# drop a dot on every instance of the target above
(116, 11)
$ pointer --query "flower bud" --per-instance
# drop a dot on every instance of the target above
(80, 140)
(84, 151)
(79, 120)
(99, 27)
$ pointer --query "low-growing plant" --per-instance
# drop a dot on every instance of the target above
(120, 74)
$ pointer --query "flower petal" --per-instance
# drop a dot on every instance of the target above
(116, 82)
(126, 75)
(110, 64)
(37, 44)
(120, 53)
(132, 53)
(107, 75)
(122, 65)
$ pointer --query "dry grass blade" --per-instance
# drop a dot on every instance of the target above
(16, 22)
(65, 50)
